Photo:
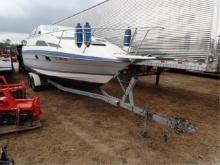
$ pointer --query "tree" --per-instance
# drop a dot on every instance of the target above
(8, 41)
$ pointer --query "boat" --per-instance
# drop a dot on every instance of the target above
(50, 53)
(67, 54)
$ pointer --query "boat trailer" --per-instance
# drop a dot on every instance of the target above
(127, 102)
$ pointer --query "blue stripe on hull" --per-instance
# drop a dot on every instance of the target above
(53, 70)
(69, 55)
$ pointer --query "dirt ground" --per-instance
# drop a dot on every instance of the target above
(81, 130)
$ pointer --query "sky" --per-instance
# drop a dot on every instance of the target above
(22, 16)
(15, 38)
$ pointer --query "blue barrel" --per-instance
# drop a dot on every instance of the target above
(79, 35)
(127, 37)
(87, 34)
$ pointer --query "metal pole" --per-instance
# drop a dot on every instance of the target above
(60, 39)
(141, 42)
(132, 40)
(91, 39)
(145, 131)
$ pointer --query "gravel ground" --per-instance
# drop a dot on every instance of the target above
(81, 130)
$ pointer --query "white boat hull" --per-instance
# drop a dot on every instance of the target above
(65, 66)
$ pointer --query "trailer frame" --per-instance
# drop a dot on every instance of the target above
(180, 125)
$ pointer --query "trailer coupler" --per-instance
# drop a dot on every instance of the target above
(180, 125)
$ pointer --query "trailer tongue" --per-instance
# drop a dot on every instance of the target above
(127, 102)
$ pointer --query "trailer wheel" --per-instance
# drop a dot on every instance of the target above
(31, 84)
(210, 59)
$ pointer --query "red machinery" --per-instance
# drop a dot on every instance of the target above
(20, 110)
(17, 113)
(5, 54)
(17, 90)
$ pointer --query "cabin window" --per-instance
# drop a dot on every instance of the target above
(47, 58)
(41, 43)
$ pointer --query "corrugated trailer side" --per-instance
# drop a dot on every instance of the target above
(190, 37)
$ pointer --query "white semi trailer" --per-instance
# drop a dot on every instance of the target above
(190, 39)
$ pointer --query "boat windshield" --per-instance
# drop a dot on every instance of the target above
(52, 28)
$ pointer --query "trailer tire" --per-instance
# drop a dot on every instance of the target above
(31, 84)
(210, 59)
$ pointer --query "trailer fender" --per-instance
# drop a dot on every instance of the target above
(34, 81)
